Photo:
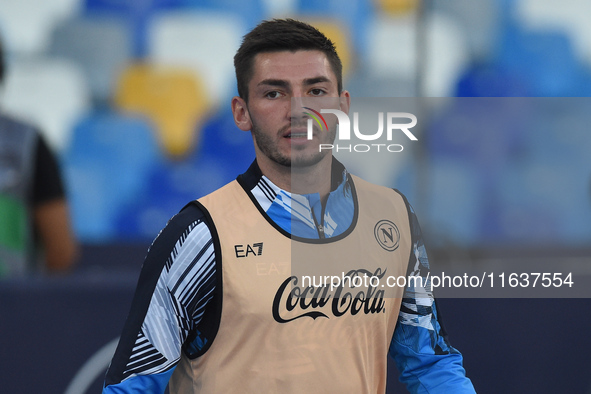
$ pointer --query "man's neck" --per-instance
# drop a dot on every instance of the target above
(300, 214)
(300, 180)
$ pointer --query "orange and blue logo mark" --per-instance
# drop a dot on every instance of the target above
(315, 116)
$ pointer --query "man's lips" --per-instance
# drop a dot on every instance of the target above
(296, 133)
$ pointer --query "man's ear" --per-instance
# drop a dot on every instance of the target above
(345, 101)
(241, 114)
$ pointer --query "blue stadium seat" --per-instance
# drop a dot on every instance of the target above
(484, 131)
(250, 11)
(545, 59)
(560, 129)
(222, 153)
(542, 193)
(455, 202)
(106, 166)
(169, 186)
(223, 140)
(491, 80)
(545, 201)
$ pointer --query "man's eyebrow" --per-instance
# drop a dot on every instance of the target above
(313, 81)
(274, 82)
(283, 83)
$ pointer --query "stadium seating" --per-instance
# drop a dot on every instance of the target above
(336, 31)
(455, 203)
(357, 15)
(186, 39)
(52, 93)
(492, 80)
(569, 17)
(278, 8)
(172, 97)
(133, 95)
(169, 61)
(392, 52)
(481, 23)
(397, 7)
(101, 44)
(223, 143)
(137, 14)
(106, 167)
(250, 12)
(26, 24)
(223, 151)
(546, 61)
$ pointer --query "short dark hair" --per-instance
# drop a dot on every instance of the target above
(282, 35)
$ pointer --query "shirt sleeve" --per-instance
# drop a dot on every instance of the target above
(426, 360)
(47, 185)
(176, 284)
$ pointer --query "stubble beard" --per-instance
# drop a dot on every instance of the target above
(269, 147)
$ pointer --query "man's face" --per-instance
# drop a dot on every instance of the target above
(279, 127)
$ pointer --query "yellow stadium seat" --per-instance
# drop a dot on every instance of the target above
(397, 7)
(173, 98)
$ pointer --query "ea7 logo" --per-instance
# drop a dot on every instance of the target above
(246, 250)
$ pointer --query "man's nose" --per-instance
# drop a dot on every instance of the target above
(297, 108)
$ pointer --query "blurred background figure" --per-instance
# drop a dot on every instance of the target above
(35, 232)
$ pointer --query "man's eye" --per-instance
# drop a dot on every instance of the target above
(317, 92)
(272, 95)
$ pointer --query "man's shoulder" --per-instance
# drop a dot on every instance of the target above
(362, 183)
(380, 195)
(180, 226)
(195, 212)
(221, 199)
(217, 193)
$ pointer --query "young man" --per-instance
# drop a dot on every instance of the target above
(218, 307)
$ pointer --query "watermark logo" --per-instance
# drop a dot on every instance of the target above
(314, 116)
(392, 126)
